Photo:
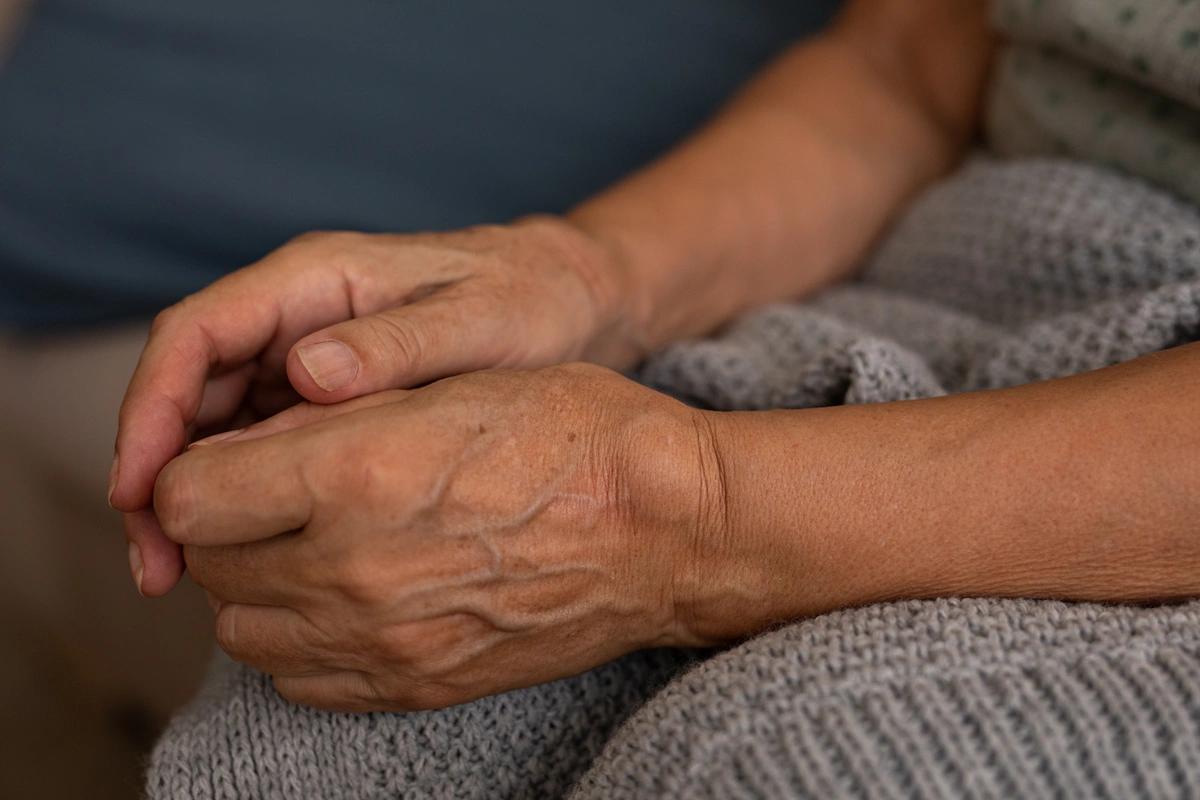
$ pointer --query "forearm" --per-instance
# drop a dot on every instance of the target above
(1084, 488)
(784, 191)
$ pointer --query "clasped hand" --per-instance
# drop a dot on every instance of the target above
(508, 522)
(416, 549)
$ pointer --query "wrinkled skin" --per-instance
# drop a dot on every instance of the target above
(409, 309)
(417, 549)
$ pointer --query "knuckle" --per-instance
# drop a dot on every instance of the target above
(431, 654)
(324, 241)
(177, 315)
(400, 339)
(361, 581)
(373, 691)
(306, 239)
(366, 692)
(573, 376)
(174, 503)
(399, 645)
(377, 481)
(351, 468)
(309, 238)
(165, 319)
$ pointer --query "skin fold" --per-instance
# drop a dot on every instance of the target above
(411, 500)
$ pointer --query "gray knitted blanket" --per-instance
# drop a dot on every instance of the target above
(1004, 274)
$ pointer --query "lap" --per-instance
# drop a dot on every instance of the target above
(238, 738)
(944, 698)
(934, 698)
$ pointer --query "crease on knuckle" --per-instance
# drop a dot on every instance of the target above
(402, 340)
(322, 633)
(175, 504)
(372, 691)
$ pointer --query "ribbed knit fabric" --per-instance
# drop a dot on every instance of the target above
(955, 698)
(1006, 273)
(239, 739)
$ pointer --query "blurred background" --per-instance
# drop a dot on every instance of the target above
(149, 146)
(90, 671)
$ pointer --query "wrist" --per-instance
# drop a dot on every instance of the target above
(614, 334)
(726, 579)
(796, 531)
(664, 483)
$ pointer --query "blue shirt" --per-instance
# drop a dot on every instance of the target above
(149, 146)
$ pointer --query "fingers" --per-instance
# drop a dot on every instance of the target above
(242, 492)
(165, 393)
(445, 334)
(348, 690)
(247, 485)
(273, 639)
(222, 396)
(155, 561)
(299, 416)
(270, 572)
(221, 328)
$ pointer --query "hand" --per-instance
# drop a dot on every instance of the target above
(416, 549)
(335, 316)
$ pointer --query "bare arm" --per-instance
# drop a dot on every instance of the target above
(558, 508)
(1084, 488)
(785, 190)
(779, 195)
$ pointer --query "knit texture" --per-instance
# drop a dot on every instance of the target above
(1004, 274)
(239, 739)
(1008, 273)
(956, 698)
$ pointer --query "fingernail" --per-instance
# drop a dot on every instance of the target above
(216, 437)
(135, 565)
(112, 478)
(331, 364)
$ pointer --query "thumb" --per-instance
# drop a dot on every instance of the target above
(397, 349)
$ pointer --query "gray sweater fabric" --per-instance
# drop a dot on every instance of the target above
(1006, 273)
